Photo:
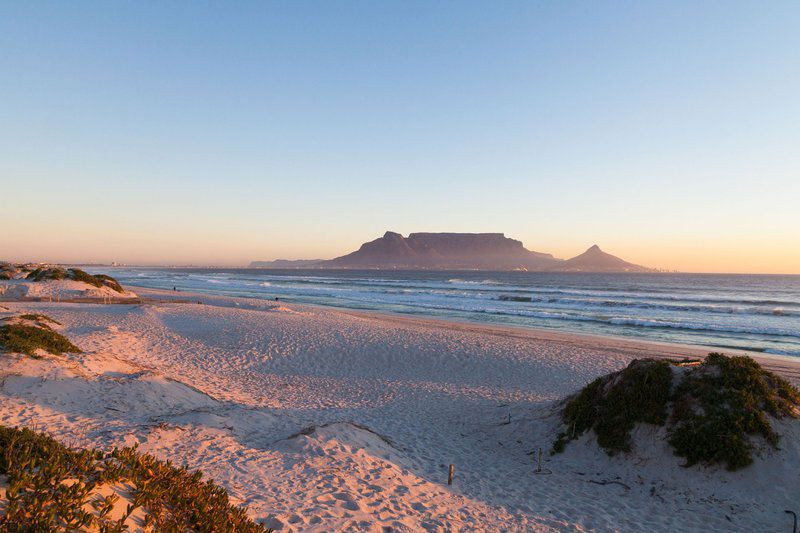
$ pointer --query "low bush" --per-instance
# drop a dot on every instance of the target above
(712, 409)
(79, 275)
(57, 273)
(54, 488)
(718, 406)
(26, 339)
(613, 404)
(109, 282)
(41, 274)
(7, 270)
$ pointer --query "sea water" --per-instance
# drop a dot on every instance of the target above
(759, 313)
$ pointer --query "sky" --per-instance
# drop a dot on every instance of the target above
(219, 133)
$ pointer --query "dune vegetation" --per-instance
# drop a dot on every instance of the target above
(108, 281)
(713, 410)
(50, 487)
(76, 274)
(42, 274)
(7, 270)
(28, 333)
(38, 317)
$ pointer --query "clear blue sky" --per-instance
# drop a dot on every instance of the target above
(668, 133)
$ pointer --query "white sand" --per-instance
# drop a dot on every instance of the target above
(57, 290)
(324, 420)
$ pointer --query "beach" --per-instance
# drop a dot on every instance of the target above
(760, 314)
(324, 419)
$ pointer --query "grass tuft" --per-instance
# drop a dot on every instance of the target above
(38, 317)
(26, 339)
(716, 406)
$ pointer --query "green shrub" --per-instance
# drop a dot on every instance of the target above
(41, 274)
(22, 338)
(51, 486)
(612, 405)
(57, 273)
(109, 282)
(716, 407)
(721, 404)
(79, 275)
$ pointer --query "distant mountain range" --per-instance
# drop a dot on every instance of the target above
(459, 251)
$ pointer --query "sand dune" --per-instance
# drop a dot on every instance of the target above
(324, 420)
(64, 289)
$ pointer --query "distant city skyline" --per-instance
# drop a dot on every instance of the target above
(144, 133)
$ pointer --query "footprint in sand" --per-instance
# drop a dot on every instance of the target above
(295, 519)
(347, 501)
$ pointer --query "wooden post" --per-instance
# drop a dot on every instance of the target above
(539, 462)
(450, 476)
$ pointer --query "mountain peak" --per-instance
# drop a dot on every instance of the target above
(596, 260)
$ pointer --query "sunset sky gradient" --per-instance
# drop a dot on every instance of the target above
(217, 133)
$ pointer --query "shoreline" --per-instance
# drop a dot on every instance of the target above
(323, 419)
(757, 316)
(224, 268)
(786, 365)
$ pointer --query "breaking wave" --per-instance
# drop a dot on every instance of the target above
(759, 313)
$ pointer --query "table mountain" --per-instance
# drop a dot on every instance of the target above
(459, 251)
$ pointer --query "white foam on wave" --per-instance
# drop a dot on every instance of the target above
(679, 312)
(701, 326)
(787, 353)
(475, 282)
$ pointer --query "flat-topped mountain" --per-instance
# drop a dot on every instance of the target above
(459, 251)
(445, 251)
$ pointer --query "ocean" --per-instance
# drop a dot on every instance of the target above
(759, 313)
